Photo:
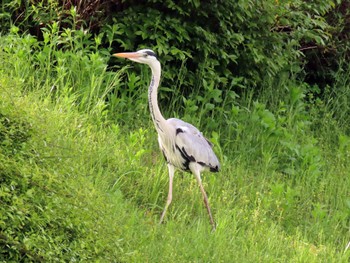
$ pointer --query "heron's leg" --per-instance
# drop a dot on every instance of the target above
(206, 202)
(171, 170)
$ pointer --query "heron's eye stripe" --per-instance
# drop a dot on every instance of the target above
(150, 53)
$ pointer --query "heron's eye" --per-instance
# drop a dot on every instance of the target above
(145, 55)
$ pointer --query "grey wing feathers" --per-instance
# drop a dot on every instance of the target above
(193, 145)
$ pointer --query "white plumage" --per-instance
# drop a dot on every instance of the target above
(183, 145)
(190, 146)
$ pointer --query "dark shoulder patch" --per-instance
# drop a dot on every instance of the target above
(185, 157)
(189, 157)
(179, 130)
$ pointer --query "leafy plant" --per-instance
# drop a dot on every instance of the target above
(82, 178)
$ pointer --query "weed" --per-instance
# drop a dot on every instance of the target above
(82, 178)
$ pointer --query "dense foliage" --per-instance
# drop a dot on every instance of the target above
(268, 83)
(218, 48)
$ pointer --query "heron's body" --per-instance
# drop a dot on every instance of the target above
(183, 145)
(187, 146)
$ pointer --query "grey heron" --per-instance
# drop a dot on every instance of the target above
(183, 145)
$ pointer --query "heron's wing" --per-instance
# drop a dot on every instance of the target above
(193, 146)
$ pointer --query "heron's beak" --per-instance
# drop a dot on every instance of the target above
(127, 55)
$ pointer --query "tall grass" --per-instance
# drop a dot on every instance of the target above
(81, 182)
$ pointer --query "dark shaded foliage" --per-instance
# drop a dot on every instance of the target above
(35, 15)
(322, 62)
(233, 44)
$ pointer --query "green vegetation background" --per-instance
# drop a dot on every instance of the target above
(81, 176)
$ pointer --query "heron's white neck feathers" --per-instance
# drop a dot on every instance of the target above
(157, 116)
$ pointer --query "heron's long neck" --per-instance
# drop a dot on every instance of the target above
(157, 116)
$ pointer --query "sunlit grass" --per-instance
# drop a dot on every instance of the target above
(87, 185)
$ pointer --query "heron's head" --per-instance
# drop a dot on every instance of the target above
(144, 56)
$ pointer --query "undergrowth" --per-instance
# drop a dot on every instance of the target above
(82, 178)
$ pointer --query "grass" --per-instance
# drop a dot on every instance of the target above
(80, 183)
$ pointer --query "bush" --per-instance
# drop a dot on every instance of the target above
(215, 52)
(74, 187)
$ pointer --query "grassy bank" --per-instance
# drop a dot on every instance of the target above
(82, 181)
